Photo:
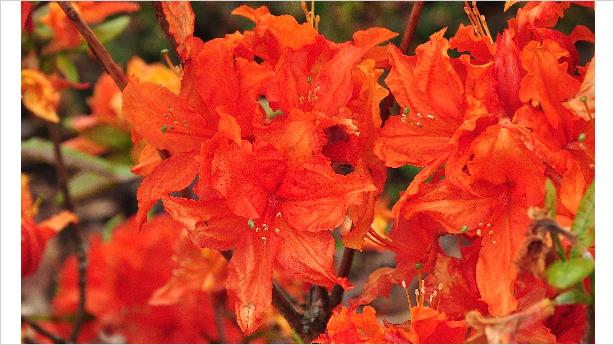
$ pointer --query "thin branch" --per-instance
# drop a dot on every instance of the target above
(411, 25)
(286, 306)
(317, 313)
(344, 271)
(95, 45)
(408, 36)
(77, 235)
(42, 331)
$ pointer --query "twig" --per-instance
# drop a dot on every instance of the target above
(344, 271)
(42, 331)
(411, 25)
(219, 303)
(287, 306)
(317, 313)
(408, 36)
(95, 45)
(77, 235)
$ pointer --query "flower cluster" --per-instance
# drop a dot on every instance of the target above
(261, 143)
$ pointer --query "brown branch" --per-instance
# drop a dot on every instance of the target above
(344, 271)
(316, 316)
(411, 25)
(74, 229)
(101, 53)
(408, 36)
(44, 332)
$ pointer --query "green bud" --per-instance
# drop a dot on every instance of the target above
(582, 137)
(418, 265)
(406, 111)
(583, 99)
(163, 129)
(464, 229)
(251, 223)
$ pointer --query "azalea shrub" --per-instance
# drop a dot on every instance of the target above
(274, 184)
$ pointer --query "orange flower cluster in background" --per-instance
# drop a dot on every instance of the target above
(263, 142)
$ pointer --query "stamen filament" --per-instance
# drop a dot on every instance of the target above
(406, 289)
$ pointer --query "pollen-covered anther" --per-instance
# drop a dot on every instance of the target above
(418, 115)
(440, 286)
(494, 241)
(430, 117)
(418, 124)
(403, 284)
(417, 292)
(278, 215)
(277, 230)
(491, 232)
(257, 229)
(478, 232)
(488, 225)
(263, 239)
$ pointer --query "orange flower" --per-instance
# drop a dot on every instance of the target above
(178, 21)
(270, 212)
(500, 131)
(39, 95)
(125, 273)
(34, 236)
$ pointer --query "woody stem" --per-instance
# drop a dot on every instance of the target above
(44, 332)
(344, 271)
(408, 36)
(74, 229)
(411, 25)
(101, 53)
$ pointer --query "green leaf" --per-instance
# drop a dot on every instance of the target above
(563, 274)
(108, 30)
(86, 184)
(550, 198)
(67, 67)
(109, 136)
(573, 296)
(36, 149)
(584, 223)
(110, 225)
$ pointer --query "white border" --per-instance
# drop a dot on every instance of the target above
(10, 127)
(604, 226)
